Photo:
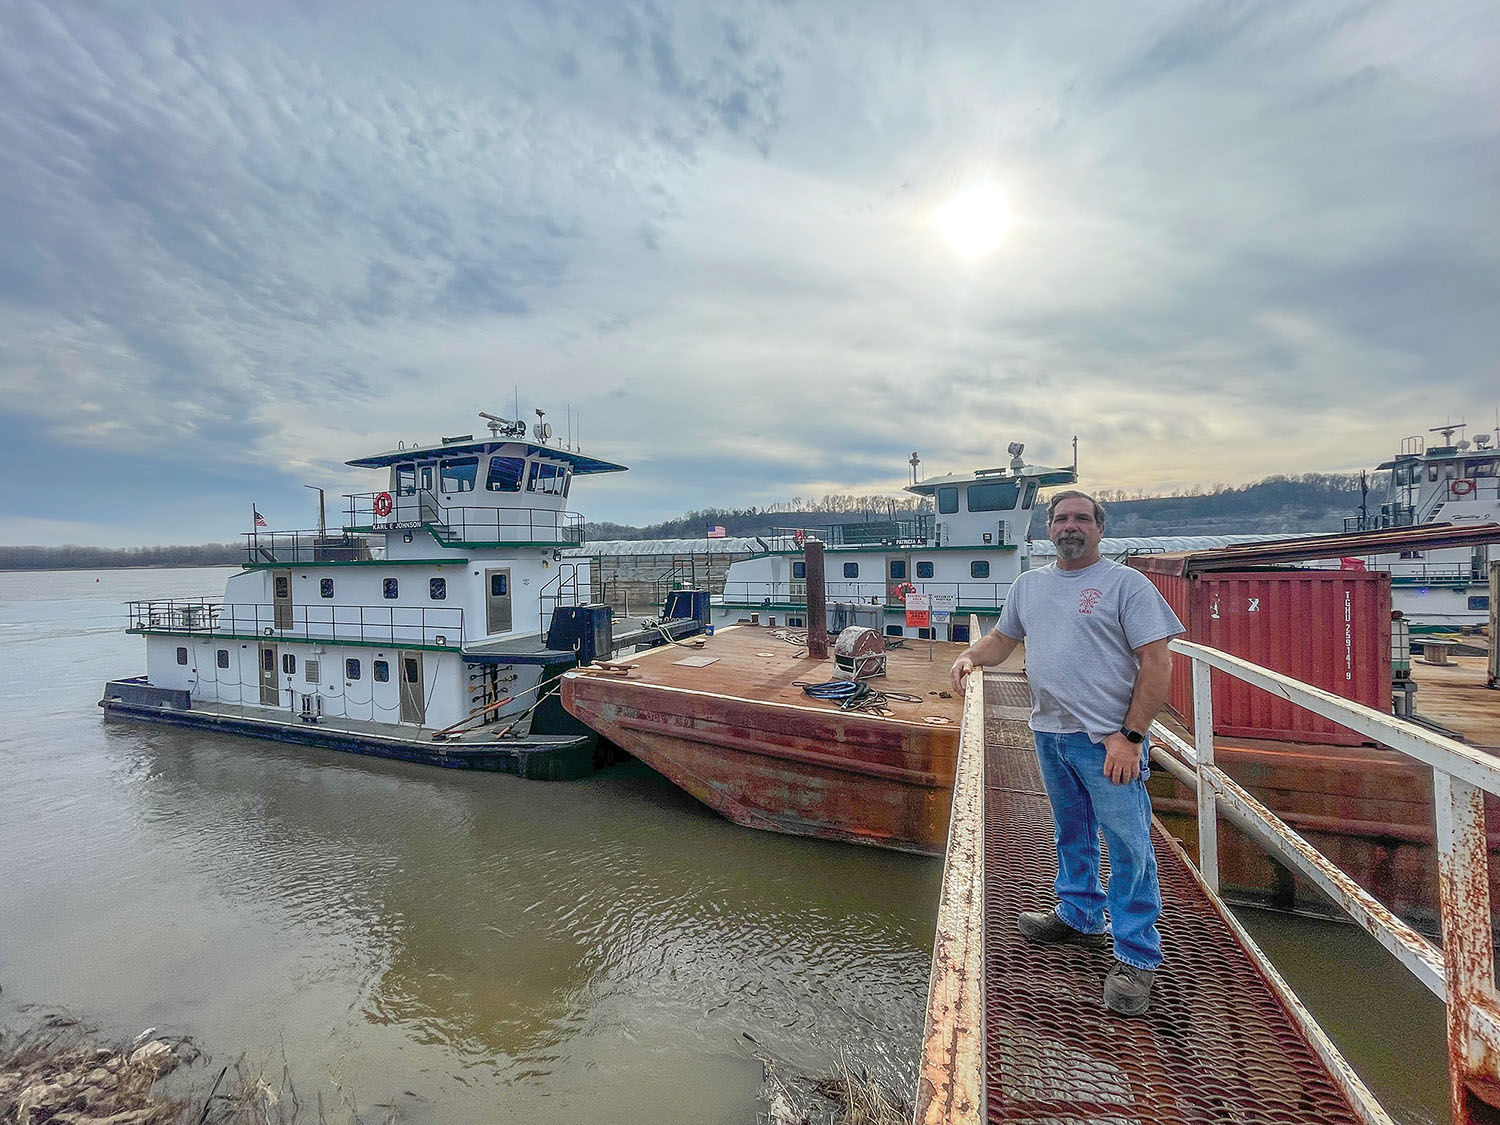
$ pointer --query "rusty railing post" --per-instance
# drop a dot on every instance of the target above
(1468, 944)
(1203, 744)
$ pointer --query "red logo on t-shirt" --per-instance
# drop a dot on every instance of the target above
(1089, 599)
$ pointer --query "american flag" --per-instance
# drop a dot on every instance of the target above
(260, 520)
(716, 532)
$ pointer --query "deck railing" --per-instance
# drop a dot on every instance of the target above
(794, 592)
(377, 624)
(289, 548)
(384, 511)
(1462, 972)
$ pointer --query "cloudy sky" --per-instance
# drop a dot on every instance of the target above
(243, 242)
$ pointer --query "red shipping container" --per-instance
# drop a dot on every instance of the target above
(1327, 628)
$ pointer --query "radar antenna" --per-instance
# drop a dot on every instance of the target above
(499, 426)
(1448, 431)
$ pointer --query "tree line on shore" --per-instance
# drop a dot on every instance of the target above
(1309, 502)
(74, 557)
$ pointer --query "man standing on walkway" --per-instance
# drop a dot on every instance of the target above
(1096, 638)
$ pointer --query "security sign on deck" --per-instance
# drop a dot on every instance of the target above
(918, 611)
(943, 606)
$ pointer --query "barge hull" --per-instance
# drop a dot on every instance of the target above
(781, 768)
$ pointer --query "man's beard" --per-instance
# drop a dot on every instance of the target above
(1072, 547)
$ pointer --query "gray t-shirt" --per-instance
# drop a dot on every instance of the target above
(1081, 628)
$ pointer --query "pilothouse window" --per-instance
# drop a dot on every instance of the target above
(547, 478)
(947, 499)
(458, 475)
(997, 497)
(406, 480)
(505, 474)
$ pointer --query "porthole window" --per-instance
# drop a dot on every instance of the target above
(182, 656)
(1479, 601)
(979, 568)
(268, 659)
(924, 570)
(325, 588)
(351, 669)
(283, 586)
(390, 589)
(437, 589)
(851, 570)
(288, 663)
(898, 569)
(382, 671)
(799, 570)
(221, 658)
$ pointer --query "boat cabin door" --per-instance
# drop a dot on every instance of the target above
(413, 697)
(270, 688)
(281, 597)
(898, 572)
(497, 609)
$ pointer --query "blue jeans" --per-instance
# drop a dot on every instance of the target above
(1085, 802)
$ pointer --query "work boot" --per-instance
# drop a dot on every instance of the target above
(1127, 990)
(1046, 928)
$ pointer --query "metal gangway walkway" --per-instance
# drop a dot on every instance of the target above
(1019, 1033)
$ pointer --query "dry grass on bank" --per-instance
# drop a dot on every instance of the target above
(848, 1096)
(58, 1072)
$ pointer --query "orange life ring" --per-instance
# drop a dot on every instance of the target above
(383, 504)
(1461, 487)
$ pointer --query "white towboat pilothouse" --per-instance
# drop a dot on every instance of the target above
(1458, 483)
(432, 627)
(963, 556)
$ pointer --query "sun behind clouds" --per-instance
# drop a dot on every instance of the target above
(974, 221)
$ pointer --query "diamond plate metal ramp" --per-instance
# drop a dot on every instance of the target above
(1218, 1044)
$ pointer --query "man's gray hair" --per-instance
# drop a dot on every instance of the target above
(1074, 494)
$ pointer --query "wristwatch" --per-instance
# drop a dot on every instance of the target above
(1133, 735)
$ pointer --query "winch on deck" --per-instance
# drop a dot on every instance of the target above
(860, 652)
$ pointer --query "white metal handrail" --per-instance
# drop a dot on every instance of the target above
(1463, 972)
(951, 1084)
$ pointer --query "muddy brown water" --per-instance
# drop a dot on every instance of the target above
(472, 947)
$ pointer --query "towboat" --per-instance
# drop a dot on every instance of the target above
(959, 559)
(431, 627)
(1454, 482)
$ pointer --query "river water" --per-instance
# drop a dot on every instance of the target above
(471, 947)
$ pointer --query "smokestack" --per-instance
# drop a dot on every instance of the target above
(817, 601)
